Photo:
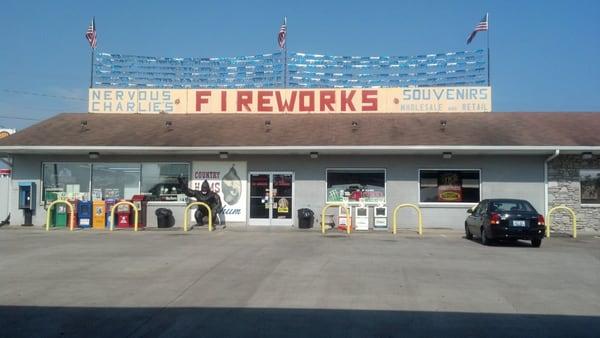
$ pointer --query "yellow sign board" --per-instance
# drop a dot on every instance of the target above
(322, 100)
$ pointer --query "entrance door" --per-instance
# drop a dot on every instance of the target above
(271, 195)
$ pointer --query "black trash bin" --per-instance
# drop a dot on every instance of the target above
(164, 218)
(306, 218)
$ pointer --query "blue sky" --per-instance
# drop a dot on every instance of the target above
(545, 54)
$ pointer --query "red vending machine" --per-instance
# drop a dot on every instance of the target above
(141, 202)
(123, 220)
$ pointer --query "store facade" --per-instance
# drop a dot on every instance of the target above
(267, 166)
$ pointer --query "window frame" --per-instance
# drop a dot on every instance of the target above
(189, 171)
(42, 185)
(91, 170)
(448, 204)
(385, 182)
(586, 205)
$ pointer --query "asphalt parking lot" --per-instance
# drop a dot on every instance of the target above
(293, 283)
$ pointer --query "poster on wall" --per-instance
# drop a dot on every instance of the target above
(228, 179)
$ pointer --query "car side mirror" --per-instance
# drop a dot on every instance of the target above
(470, 211)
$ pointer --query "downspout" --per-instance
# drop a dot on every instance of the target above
(553, 156)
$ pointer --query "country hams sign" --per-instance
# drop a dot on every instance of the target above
(334, 100)
(228, 179)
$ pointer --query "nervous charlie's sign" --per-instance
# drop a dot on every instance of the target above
(338, 100)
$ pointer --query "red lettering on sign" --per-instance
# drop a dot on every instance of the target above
(244, 99)
(326, 99)
(264, 101)
(369, 100)
(223, 101)
(304, 107)
(346, 100)
(284, 105)
(201, 97)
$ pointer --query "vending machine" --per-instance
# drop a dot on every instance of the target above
(84, 214)
(361, 218)
(123, 211)
(380, 220)
(344, 220)
(109, 204)
(141, 202)
(99, 217)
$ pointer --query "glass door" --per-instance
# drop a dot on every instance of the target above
(271, 197)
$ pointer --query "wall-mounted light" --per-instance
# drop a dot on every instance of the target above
(314, 155)
(443, 124)
(586, 156)
(93, 155)
(447, 155)
(223, 155)
(168, 125)
(268, 126)
(354, 125)
(83, 124)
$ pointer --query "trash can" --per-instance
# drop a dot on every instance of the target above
(306, 218)
(164, 218)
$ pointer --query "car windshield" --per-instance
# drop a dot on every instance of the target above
(511, 206)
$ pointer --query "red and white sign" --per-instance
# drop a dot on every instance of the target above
(323, 100)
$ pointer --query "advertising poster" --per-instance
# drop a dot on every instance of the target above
(226, 178)
(450, 190)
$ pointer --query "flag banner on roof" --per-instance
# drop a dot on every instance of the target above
(305, 70)
(481, 26)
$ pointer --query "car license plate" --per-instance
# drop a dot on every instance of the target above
(518, 223)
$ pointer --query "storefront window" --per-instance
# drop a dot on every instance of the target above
(449, 186)
(115, 180)
(356, 186)
(69, 180)
(161, 178)
(590, 186)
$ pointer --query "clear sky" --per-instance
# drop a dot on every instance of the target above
(545, 54)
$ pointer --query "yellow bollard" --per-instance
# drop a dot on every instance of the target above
(420, 217)
(71, 219)
(186, 216)
(112, 215)
(348, 226)
(563, 207)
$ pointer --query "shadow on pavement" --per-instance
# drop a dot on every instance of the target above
(31, 321)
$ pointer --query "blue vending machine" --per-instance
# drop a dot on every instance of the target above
(84, 214)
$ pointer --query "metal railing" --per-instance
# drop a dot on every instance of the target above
(395, 218)
(135, 218)
(71, 218)
(187, 209)
(348, 226)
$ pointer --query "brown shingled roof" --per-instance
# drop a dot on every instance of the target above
(205, 130)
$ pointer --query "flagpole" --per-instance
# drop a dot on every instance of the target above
(488, 49)
(285, 56)
(92, 71)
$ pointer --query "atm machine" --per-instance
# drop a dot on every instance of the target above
(27, 201)
(361, 218)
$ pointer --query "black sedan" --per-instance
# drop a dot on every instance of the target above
(509, 219)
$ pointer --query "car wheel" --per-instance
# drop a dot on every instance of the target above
(468, 233)
(484, 239)
(536, 242)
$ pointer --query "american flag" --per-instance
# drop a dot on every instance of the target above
(282, 34)
(482, 26)
(90, 35)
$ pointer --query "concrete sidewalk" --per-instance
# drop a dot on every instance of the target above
(299, 283)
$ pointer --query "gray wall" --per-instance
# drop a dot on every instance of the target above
(502, 176)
